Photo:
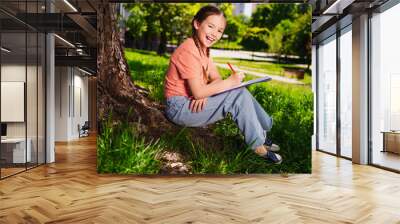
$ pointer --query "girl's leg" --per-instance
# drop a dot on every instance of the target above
(264, 119)
(237, 102)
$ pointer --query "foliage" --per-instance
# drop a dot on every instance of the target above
(255, 39)
(290, 106)
(121, 150)
(290, 28)
(162, 21)
(270, 15)
(136, 25)
(279, 36)
(281, 28)
(292, 36)
(235, 28)
(300, 41)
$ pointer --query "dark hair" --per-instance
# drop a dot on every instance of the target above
(202, 15)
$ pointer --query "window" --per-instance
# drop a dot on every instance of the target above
(327, 95)
(385, 87)
(346, 92)
(23, 77)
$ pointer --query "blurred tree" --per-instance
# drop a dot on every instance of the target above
(255, 39)
(290, 26)
(233, 28)
(270, 15)
(278, 40)
(160, 22)
(226, 8)
(136, 25)
(301, 38)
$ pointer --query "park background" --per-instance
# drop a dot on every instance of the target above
(261, 40)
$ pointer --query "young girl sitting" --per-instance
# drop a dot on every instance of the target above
(192, 80)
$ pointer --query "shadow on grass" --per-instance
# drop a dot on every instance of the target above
(224, 152)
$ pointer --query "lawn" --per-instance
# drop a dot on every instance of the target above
(271, 68)
(225, 44)
(122, 150)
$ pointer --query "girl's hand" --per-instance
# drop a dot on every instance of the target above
(197, 105)
(236, 78)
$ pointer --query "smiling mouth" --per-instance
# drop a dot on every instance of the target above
(210, 39)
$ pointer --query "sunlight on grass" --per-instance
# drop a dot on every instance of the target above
(269, 68)
(121, 150)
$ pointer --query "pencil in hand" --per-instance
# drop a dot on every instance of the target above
(230, 66)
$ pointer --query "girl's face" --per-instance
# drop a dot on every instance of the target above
(210, 30)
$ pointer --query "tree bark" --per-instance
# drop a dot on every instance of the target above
(162, 47)
(117, 95)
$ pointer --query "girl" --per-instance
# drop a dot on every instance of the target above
(192, 80)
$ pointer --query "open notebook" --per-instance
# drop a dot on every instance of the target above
(250, 82)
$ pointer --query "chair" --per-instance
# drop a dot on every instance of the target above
(84, 130)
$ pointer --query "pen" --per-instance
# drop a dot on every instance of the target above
(230, 66)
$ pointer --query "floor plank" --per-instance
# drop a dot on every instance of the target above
(70, 191)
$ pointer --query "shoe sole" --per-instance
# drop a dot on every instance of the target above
(272, 149)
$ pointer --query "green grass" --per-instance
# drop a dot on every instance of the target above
(148, 70)
(307, 79)
(262, 66)
(233, 157)
(224, 44)
(291, 107)
(121, 150)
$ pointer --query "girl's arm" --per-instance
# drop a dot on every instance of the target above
(200, 91)
(214, 74)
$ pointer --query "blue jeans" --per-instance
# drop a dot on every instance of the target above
(250, 117)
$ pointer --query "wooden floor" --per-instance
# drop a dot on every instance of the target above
(10, 171)
(387, 159)
(70, 191)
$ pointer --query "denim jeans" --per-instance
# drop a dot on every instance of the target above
(249, 116)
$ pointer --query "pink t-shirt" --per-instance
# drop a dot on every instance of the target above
(186, 63)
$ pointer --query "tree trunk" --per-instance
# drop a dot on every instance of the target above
(162, 47)
(117, 95)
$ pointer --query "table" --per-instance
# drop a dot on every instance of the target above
(15, 148)
(391, 141)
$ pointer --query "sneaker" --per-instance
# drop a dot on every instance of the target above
(273, 157)
(273, 147)
(270, 146)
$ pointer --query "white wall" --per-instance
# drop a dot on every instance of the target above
(71, 102)
(62, 81)
(12, 73)
(34, 124)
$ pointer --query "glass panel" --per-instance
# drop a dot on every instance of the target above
(31, 97)
(41, 98)
(385, 84)
(13, 87)
(346, 92)
(327, 95)
(32, 9)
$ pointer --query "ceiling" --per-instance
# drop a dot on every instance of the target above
(338, 12)
(74, 22)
